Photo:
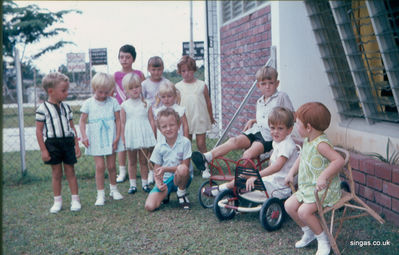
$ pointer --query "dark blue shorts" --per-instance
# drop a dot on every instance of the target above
(61, 150)
(257, 137)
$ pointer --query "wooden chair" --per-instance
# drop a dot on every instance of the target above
(349, 200)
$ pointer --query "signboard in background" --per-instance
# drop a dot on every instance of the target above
(198, 49)
(76, 62)
(98, 56)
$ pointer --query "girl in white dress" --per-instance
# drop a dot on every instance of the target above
(168, 96)
(100, 129)
(137, 133)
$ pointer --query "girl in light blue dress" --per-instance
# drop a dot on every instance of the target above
(137, 134)
(100, 130)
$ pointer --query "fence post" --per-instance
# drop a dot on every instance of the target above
(20, 113)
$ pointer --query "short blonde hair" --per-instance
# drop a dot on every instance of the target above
(166, 113)
(52, 79)
(131, 80)
(102, 80)
(266, 73)
(281, 115)
(316, 114)
(166, 87)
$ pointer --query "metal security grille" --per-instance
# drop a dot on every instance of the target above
(233, 9)
(358, 41)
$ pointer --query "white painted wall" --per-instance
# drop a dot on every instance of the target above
(302, 76)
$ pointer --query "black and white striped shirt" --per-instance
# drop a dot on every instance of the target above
(56, 120)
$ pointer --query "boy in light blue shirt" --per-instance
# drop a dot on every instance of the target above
(172, 169)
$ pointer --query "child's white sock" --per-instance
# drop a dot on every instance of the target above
(220, 188)
(122, 169)
(75, 203)
(132, 182)
(208, 156)
(323, 245)
(57, 204)
(113, 187)
(144, 182)
(58, 199)
(75, 198)
(180, 192)
(100, 197)
(307, 237)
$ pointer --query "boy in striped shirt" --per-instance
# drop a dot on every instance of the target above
(57, 138)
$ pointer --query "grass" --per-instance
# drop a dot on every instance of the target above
(10, 117)
(124, 227)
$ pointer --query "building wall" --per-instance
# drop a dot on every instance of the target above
(303, 77)
(245, 47)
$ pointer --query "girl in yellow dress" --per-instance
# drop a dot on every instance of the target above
(195, 98)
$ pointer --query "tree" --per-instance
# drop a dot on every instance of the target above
(28, 25)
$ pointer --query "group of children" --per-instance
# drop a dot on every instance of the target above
(131, 115)
(125, 116)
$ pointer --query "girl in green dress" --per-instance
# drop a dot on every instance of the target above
(318, 164)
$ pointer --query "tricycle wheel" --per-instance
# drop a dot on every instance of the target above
(225, 213)
(272, 214)
(206, 201)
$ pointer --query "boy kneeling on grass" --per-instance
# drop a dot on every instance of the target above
(171, 156)
(281, 122)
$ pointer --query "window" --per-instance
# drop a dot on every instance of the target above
(358, 43)
(233, 9)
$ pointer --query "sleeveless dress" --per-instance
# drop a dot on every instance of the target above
(193, 99)
(312, 164)
(100, 127)
(138, 131)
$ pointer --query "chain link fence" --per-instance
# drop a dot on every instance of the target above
(236, 93)
(235, 74)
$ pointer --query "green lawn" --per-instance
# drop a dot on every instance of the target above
(10, 117)
(124, 227)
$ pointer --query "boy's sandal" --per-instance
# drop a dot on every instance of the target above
(146, 188)
(132, 190)
(166, 200)
(183, 202)
(199, 160)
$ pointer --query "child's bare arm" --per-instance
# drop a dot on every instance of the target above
(123, 124)
(77, 149)
(82, 127)
(158, 176)
(152, 121)
(118, 130)
(249, 124)
(273, 168)
(40, 140)
(336, 164)
(208, 104)
(293, 171)
(185, 125)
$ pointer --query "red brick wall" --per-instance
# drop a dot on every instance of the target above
(377, 184)
(245, 47)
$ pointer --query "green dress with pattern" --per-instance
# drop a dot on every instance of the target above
(312, 164)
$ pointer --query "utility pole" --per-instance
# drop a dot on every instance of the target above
(191, 30)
